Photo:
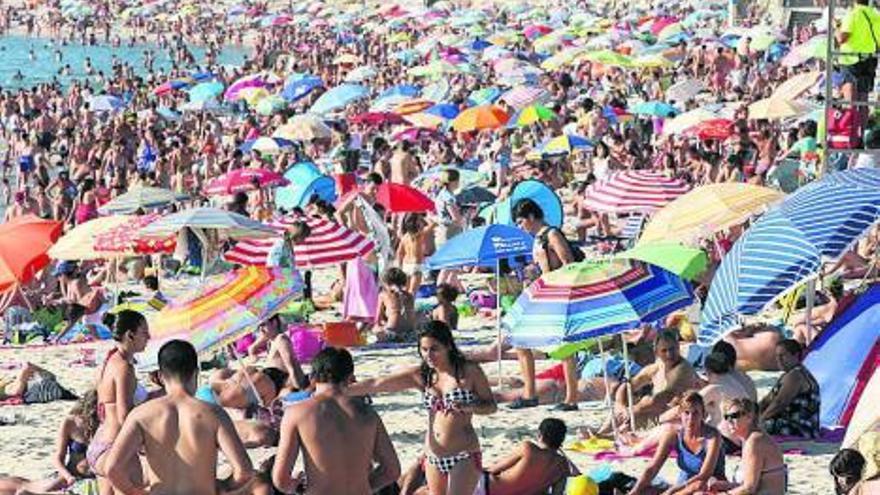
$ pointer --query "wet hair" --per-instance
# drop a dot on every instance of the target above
(791, 346)
(151, 282)
(178, 360)
(716, 362)
(726, 348)
(127, 321)
(332, 365)
(439, 331)
(447, 292)
(394, 276)
(552, 432)
(86, 408)
(692, 398)
(847, 464)
(668, 335)
(278, 377)
(527, 208)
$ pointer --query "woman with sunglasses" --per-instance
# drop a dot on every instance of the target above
(763, 470)
(698, 447)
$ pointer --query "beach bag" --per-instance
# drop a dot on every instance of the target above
(46, 390)
(544, 239)
(843, 129)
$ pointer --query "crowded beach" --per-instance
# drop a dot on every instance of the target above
(456, 248)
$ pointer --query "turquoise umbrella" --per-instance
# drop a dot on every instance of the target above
(205, 91)
(339, 97)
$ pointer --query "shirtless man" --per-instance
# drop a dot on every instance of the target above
(341, 437)
(281, 354)
(349, 212)
(669, 376)
(404, 167)
(177, 434)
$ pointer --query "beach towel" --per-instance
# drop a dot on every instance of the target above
(361, 296)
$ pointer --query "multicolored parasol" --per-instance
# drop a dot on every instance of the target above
(124, 239)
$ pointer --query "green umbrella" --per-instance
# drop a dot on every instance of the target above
(686, 262)
(534, 113)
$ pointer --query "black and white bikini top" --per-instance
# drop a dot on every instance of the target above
(455, 397)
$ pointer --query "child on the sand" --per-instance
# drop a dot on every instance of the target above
(446, 310)
(396, 315)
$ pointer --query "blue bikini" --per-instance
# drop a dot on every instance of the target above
(690, 463)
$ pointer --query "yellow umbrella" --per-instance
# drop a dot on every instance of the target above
(775, 108)
(563, 57)
(797, 85)
(252, 95)
(79, 243)
(303, 128)
(706, 210)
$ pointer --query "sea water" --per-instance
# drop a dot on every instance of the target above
(37, 59)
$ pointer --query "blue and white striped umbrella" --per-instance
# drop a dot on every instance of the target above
(818, 223)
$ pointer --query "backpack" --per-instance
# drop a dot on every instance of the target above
(544, 239)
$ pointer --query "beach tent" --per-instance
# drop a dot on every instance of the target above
(537, 191)
(866, 413)
(844, 356)
(305, 180)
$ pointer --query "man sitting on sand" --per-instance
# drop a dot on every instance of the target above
(667, 378)
(341, 437)
(281, 355)
(533, 467)
(178, 435)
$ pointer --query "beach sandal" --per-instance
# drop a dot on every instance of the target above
(564, 407)
(521, 403)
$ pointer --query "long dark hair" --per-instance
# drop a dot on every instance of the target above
(126, 321)
(440, 332)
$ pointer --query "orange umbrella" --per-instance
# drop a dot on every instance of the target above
(412, 106)
(481, 117)
(23, 245)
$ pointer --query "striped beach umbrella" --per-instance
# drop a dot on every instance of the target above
(231, 224)
(706, 210)
(818, 223)
(633, 191)
(522, 96)
(123, 239)
(593, 298)
(141, 197)
(222, 309)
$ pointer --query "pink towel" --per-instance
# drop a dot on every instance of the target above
(361, 297)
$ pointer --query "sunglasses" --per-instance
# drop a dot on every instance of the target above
(734, 415)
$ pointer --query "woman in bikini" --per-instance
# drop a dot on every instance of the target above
(454, 389)
(763, 469)
(118, 391)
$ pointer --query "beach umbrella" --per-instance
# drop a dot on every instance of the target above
(686, 262)
(105, 103)
(778, 108)
(141, 197)
(545, 197)
(205, 91)
(123, 239)
(411, 106)
(339, 97)
(400, 198)
(564, 144)
(607, 57)
(299, 87)
(415, 134)
(304, 127)
(654, 108)
(251, 82)
(633, 191)
(360, 74)
(686, 120)
(243, 180)
(589, 299)
(429, 180)
(533, 114)
(221, 310)
(479, 118)
(24, 246)
(684, 90)
(305, 180)
(446, 111)
(797, 85)
(266, 145)
(788, 245)
(435, 69)
(407, 90)
(328, 244)
(79, 242)
(376, 118)
(424, 120)
(474, 195)
(270, 105)
(522, 96)
(231, 224)
(706, 210)
(718, 129)
(201, 106)
(483, 96)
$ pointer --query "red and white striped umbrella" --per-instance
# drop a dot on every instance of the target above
(329, 243)
(633, 191)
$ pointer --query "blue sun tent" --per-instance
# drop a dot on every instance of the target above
(305, 180)
(843, 357)
(535, 190)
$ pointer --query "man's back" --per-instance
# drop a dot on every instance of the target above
(535, 471)
(338, 436)
(180, 437)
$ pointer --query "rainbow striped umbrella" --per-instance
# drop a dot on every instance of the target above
(222, 309)
(593, 298)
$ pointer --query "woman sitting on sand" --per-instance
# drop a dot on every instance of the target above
(69, 460)
(792, 406)
(699, 450)
(454, 389)
(763, 469)
(396, 315)
(118, 390)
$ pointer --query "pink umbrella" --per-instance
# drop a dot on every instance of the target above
(536, 31)
(282, 20)
(252, 81)
(413, 134)
(376, 118)
(124, 238)
(244, 179)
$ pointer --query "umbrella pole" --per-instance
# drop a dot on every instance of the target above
(247, 377)
(629, 390)
(609, 400)
(498, 318)
(811, 296)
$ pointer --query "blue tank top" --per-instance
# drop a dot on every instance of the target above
(690, 463)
